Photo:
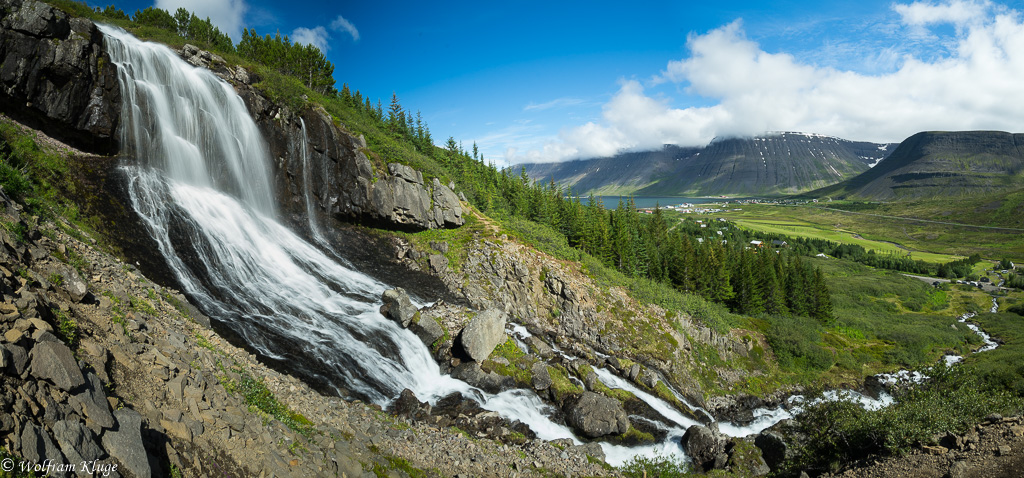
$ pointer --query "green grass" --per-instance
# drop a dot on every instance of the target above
(839, 432)
(256, 394)
(927, 227)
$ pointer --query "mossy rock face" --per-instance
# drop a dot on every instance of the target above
(745, 459)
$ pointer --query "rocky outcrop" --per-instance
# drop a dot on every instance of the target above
(332, 171)
(55, 75)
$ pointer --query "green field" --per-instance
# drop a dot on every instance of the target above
(936, 242)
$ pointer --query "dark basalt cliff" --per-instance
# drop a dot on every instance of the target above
(56, 77)
(334, 171)
(941, 164)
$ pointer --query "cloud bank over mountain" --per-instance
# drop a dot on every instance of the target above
(962, 73)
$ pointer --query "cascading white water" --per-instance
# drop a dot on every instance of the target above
(200, 180)
(314, 227)
(209, 208)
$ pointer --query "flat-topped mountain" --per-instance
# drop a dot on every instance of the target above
(773, 164)
(941, 164)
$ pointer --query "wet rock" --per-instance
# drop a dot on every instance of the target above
(706, 447)
(483, 333)
(409, 406)
(471, 373)
(426, 328)
(125, 442)
(53, 361)
(594, 415)
(773, 447)
(397, 306)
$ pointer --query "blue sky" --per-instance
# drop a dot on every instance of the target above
(549, 81)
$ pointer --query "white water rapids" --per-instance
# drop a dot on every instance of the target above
(200, 180)
(199, 177)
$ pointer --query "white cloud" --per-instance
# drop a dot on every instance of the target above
(555, 103)
(227, 15)
(956, 12)
(342, 25)
(316, 36)
(975, 84)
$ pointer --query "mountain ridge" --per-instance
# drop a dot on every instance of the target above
(777, 163)
(940, 164)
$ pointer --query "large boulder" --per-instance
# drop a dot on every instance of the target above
(397, 306)
(125, 443)
(53, 361)
(594, 415)
(76, 441)
(483, 333)
(37, 446)
(773, 447)
(55, 75)
(706, 447)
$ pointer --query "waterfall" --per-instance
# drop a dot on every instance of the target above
(200, 180)
(314, 227)
(203, 192)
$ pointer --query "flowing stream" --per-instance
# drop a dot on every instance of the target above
(200, 178)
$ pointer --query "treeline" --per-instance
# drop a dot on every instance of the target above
(305, 62)
(724, 268)
(957, 269)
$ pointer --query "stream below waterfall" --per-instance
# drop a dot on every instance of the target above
(199, 178)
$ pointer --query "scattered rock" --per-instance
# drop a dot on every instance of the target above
(595, 415)
(483, 333)
(397, 306)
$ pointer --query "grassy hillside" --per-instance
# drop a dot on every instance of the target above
(934, 230)
(940, 165)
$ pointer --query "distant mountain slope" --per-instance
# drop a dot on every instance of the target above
(774, 164)
(624, 173)
(941, 164)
